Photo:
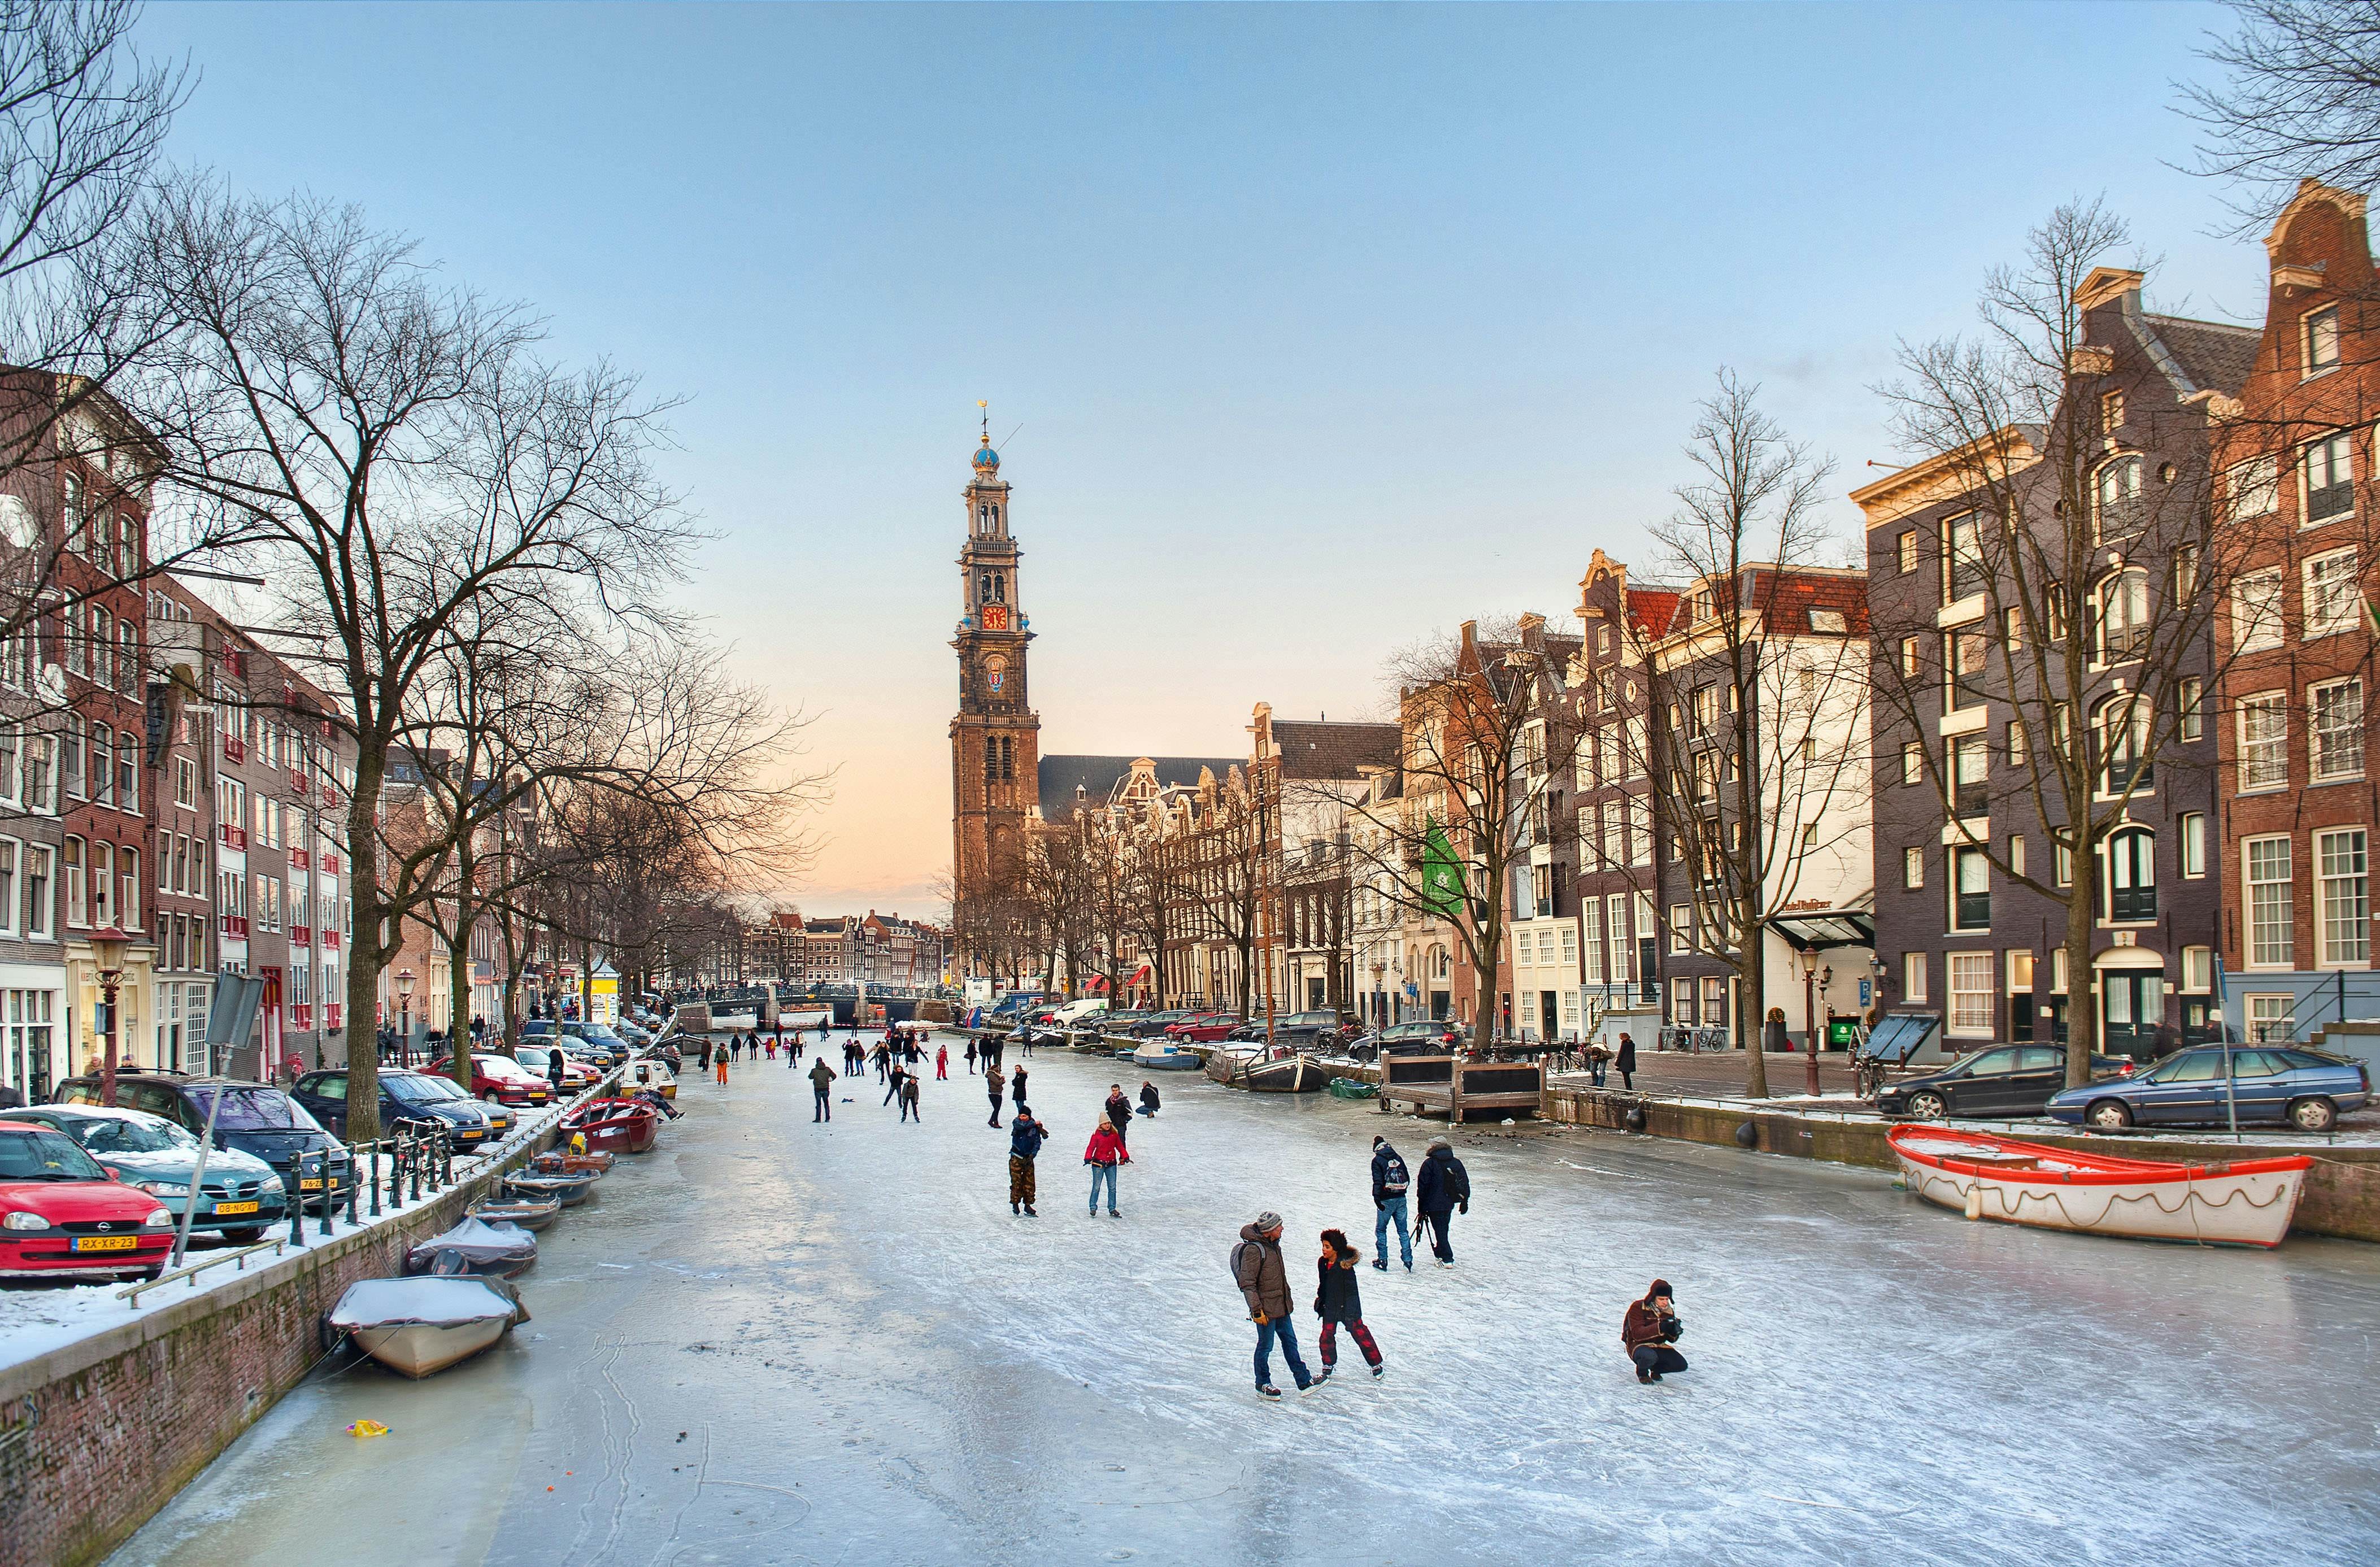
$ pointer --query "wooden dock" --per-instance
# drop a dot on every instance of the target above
(1456, 1087)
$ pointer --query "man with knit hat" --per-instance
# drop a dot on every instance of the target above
(1389, 1180)
(1649, 1330)
(1258, 1269)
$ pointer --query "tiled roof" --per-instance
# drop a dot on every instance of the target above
(2217, 357)
(1316, 748)
(1796, 595)
(1652, 609)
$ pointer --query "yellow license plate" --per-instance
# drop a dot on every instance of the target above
(236, 1208)
(105, 1242)
(311, 1183)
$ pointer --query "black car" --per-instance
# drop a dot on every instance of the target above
(2006, 1080)
(255, 1118)
(1421, 1036)
(1310, 1030)
(1152, 1024)
(407, 1099)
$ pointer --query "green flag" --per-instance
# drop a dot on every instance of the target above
(1441, 874)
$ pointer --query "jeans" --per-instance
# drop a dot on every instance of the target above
(995, 1112)
(909, 1109)
(1440, 1246)
(1596, 1071)
(1282, 1329)
(1392, 1208)
(1104, 1173)
(824, 1111)
(1658, 1359)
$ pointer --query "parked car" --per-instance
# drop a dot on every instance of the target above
(596, 1036)
(1118, 1021)
(636, 1033)
(1154, 1025)
(501, 1118)
(1206, 1027)
(2306, 1089)
(149, 1153)
(1315, 1030)
(1079, 1014)
(2003, 1081)
(1421, 1036)
(255, 1118)
(412, 1100)
(577, 1075)
(62, 1216)
(501, 1078)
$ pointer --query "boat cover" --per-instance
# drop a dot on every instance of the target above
(479, 1243)
(437, 1302)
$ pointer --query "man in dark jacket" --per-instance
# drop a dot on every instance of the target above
(556, 1064)
(1649, 1330)
(1025, 1138)
(1389, 1180)
(1263, 1279)
(993, 1084)
(821, 1075)
(1149, 1102)
(1118, 1110)
(1625, 1064)
(1445, 1187)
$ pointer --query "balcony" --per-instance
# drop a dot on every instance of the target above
(235, 927)
(234, 837)
(301, 935)
(235, 748)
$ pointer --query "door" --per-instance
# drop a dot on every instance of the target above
(1549, 1016)
(1984, 1088)
(2257, 1079)
(2184, 1088)
(2040, 1072)
(327, 1097)
(2131, 1005)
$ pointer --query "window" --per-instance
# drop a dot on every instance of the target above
(1964, 650)
(1623, 947)
(8, 849)
(1912, 763)
(2119, 495)
(1912, 976)
(2256, 610)
(2015, 744)
(1962, 549)
(2322, 340)
(2020, 971)
(2336, 742)
(2264, 741)
(2342, 861)
(1681, 1001)
(1640, 830)
(103, 645)
(2122, 606)
(1971, 993)
(2131, 875)
(2190, 698)
(2271, 938)
(2062, 861)
(37, 891)
(2255, 487)
(2111, 412)
(1681, 927)
(1907, 549)
(128, 874)
(127, 773)
(2331, 601)
(78, 909)
(1971, 900)
(2328, 471)
(11, 777)
(2015, 853)
(185, 784)
(103, 883)
(2198, 968)
(1970, 776)
(2185, 573)
(1714, 1001)
(2121, 729)
(1591, 919)
(103, 764)
(42, 773)
(2193, 843)
(2269, 1019)
(1909, 658)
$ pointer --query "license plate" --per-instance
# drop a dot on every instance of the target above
(236, 1208)
(311, 1183)
(105, 1242)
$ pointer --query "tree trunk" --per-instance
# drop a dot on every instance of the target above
(2081, 1002)
(367, 947)
(459, 985)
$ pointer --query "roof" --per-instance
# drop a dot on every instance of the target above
(1316, 748)
(2215, 354)
(1797, 593)
(1098, 776)
(1652, 609)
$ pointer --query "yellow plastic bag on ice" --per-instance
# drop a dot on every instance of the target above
(367, 1428)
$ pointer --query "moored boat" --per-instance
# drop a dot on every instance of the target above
(2247, 1202)
(423, 1324)
(567, 1190)
(614, 1124)
(1159, 1056)
(556, 1163)
(475, 1246)
(1281, 1069)
(526, 1213)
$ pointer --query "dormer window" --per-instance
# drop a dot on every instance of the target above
(2322, 340)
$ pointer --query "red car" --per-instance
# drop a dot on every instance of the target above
(501, 1078)
(1206, 1028)
(62, 1217)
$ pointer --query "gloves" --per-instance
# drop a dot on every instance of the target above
(1258, 1317)
(1464, 1207)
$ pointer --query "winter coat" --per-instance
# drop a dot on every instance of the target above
(908, 1090)
(1149, 1095)
(1119, 1110)
(1645, 1325)
(1336, 1296)
(1024, 1136)
(1627, 1059)
(822, 1075)
(1388, 1171)
(1019, 1086)
(1262, 1278)
(993, 1082)
(1105, 1146)
(1445, 1185)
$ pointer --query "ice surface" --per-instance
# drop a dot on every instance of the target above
(834, 1343)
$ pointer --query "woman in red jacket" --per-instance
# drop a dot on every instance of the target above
(1104, 1154)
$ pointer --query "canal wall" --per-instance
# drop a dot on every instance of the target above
(95, 1436)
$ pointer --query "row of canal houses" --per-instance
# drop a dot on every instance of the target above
(2207, 488)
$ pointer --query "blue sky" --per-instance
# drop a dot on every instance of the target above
(1319, 327)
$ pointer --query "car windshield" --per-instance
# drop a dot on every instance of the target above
(439, 1086)
(501, 1066)
(412, 1090)
(44, 1156)
(106, 1134)
(255, 1109)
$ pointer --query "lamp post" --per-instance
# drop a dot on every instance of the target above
(404, 1013)
(108, 946)
(1809, 956)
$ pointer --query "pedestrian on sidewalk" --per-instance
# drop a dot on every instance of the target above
(822, 1078)
(1626, 1063)
(1016, 1087)
(1336, 1299)
(1597, 1058)
(994, 1083)
(1263, 1279)
(909, 1097)
(1024, 1138)
(1149, 1105)
(1103, 1154)
(1389, 1179)
(970, 1055)
(1649, 1330)
(1445, 1187)
(1118, 1110)
(941, 1062)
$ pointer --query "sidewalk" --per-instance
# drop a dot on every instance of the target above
(1720, 1074)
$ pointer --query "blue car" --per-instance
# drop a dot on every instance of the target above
(2289, 1084)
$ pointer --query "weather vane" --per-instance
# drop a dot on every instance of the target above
(986, 406)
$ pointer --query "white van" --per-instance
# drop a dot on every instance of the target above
(1072, 1012)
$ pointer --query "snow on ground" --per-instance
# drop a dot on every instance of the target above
(773, 1341)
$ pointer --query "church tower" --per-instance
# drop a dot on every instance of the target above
(995, 738)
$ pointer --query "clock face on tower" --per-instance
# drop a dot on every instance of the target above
(995, 617)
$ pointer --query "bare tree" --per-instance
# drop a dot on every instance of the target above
(2300, 100)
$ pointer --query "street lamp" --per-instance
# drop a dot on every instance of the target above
(108, 947)
(405, 1014)
(1809, 956)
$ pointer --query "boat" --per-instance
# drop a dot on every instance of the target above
(1353, 1089)
(522, 1213)
(557, 1162)
(475, 1246)
(2243, 1203)
(654, 1076)
(615, 1125)
(567, 1190)
(1224, 1064)
(1159, 1056)
(420, 1326)
(1280, 1069)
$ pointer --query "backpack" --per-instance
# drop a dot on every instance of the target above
(1238, 1251)
(1394, 1179)
(1458, 1180)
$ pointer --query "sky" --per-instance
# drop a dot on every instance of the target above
(1307, 332)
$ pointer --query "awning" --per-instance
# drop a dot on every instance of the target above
(1834, 928)
(1140, 976)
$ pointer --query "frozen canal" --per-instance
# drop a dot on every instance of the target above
(771, 1342)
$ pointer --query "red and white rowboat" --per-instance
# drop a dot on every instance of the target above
(2244, 1203)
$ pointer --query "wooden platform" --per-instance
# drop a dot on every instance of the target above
(1455, 1087)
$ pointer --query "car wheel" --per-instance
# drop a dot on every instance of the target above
(247, 1237)
(2113, 1115)
(2312, 1115)
(488, 1097)
(1928, 1106)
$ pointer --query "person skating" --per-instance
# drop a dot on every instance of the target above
(1625, 1064)
(822, 1078)
(941, 1062)
(794, 1053)
(1103, 1154)
(736, 1047)
(1445, 1188)
(1336, 1299)
(1258, 1269)
(909, 1097)
(1118, 1110)
(1024, 1138)
(970, 1055)
(892, 1081)
(994, 1083)
(1149, 1105)
(1649, 1330)
(1016, 1086)
(1389, 1180)
(721, 1062)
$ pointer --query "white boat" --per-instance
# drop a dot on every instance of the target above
(423, 1324)
(2248, 1202)
(1159, 1056)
